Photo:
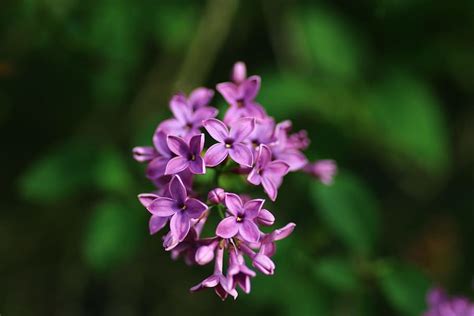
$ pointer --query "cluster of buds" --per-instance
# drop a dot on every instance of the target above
(249, 145)
(440, 304)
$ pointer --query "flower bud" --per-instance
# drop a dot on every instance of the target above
(265, 218)
(143, 154)
(205, 253)
(216, 196)
(239, 73)
(264, 264)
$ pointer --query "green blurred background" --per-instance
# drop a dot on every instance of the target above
(384, 87)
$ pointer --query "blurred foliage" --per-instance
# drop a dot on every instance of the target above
(383, 87)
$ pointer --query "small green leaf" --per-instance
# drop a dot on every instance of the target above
(111, 172)
(350, 210)
(336, 272)
(404, 286)
(60, 173)
(112, 234)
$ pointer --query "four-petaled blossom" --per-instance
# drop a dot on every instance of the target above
(267, 172)
(217, 280)
(186, 121)
(241, 94)
(240, 219)
(324, 170)
(180, 207)
(238, 272)
(229, 142)
(188, 156)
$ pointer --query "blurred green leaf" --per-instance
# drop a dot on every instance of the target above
(336, 272)
(60, 173)
(404, 286)
(289, 290)
(112, 234)
(350, 211)
(327, 42)
(112, 173)
(407, 117)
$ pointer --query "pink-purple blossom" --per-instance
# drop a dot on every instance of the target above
(245, 143)
(440, 304)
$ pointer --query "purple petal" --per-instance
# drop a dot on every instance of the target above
(252, 208)
(147, 198)
(227, 228)
(215, 155)
(264, 264)
(200, 97)
(229, 91)
(283, 232)
(249, 231)
(180, 108)
(180, 225)
(176, 165)
(264, 156)
(143, 154)
(239, 73)
(203, 114)
(197, 166)
(294, 158)
(250, 87)
(233, 202)
(270, 188)
(254, 177)
(241, 154)
(162, 206)
(277, 169)
(156, 223)
(196, 144)
(217, 129)
(265, 217)
(178, 190)
(211, 281)
(194, 207)
(157, 167)
(161, 144)
(178, 146)
(241, 129)
(172, 126)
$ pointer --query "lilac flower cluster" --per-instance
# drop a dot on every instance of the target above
(247, 144)
(440, 304)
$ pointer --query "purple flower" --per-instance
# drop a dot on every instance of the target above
(268, 246)
(188, 156)
(241, 218)
(217, 280)
(442, 305)
(230, 142)
(205, 253)
(241, 94)
(267, 172)
(265, 218)
(263, 132)
(283, 149)
(216, 196)
(180, 207)
(238, 272)
(157, 156)
(187, 120)
(199, 98)
(260, 260)
(324, 170)
(156, 222)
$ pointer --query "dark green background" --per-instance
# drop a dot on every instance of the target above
(384, 87)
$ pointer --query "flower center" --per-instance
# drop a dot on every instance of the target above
(228, 142)
(239, 219)
(240, 103)
(191, 157)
